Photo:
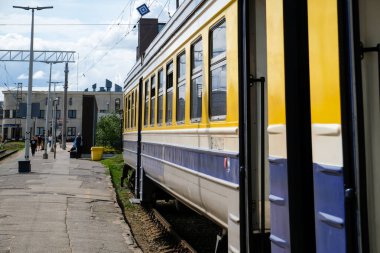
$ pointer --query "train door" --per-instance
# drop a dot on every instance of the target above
(366, 46)
(254, 185)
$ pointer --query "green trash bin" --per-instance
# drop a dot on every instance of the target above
(97, 153)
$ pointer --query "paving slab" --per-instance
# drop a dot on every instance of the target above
(63, 205)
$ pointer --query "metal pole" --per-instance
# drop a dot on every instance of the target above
(24, 166)
(55, 127)
(29, 96)
(45, 156)
(65, 107)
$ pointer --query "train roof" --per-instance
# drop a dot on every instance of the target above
(181, 16)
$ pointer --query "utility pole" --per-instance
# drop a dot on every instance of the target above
(65, 107)
(24, 166)
(45, 155)
(18, 101)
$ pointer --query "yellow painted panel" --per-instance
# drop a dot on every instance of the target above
(324, 61)
(232, 63)
(275, 68)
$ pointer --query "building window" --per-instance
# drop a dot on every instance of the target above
(146, 112)
(58, 114)
(42, 114)
(58, 100)
(152, 99)
(196, 81)
(218, 79)
(169, 92)
(181, 86)
(160, 82)
(72, 114)
(102, 111)
(117, 105)
(14, 114)
(70, 101)
(40, 131)
(46, 101)
(71, 131)
(7, 114)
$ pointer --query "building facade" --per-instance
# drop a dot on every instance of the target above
(13, 122)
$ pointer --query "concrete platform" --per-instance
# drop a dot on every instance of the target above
(62, 205)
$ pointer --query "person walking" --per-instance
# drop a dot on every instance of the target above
(78, 145)
(33, 145)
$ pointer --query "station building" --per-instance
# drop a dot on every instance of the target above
(84, 108)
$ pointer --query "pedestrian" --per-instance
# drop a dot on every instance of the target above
(50, 139)
(37, 138)
(33, 145)
(78, 145)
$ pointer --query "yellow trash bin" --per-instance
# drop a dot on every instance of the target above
(96, 153)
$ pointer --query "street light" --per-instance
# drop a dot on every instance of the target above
(24, 166)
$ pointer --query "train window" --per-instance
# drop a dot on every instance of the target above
(196, 81)
(134, 95)
(218, 80)
(146, 111)
(169, 92)
(218, 41)
(126, 111)
(181, 86)
(160, 82)
(129, 111)
(152, 99)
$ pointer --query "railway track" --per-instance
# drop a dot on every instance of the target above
(193, 232)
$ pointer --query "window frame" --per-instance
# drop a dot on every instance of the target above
(214, 63)
(147, 102)
(167, 91)
(181, 83)
(160, 117)
(195, 74)
(73, 112)
(153, 88)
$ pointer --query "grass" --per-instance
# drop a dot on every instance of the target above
(115, 169)
(14, 145)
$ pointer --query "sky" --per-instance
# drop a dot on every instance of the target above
(99, 31)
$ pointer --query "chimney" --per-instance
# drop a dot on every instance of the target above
(108, 85)
(148, 29)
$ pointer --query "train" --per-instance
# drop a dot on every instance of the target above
(262, 116)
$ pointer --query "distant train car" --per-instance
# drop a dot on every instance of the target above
(263, 116)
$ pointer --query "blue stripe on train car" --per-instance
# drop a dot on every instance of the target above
(329, 209)
(209, 163)
(279, 205)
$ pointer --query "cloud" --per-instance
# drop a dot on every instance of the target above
(104, 52)
(39, 75)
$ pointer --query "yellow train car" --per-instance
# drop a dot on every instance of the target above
(263, 116)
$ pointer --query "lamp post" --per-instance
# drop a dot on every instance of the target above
(24, 166)
(45, 155)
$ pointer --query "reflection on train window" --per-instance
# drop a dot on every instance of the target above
(169, 92)
(160, 82)
(152, 99)
(218, 40)
(218, 81)
(196, 81)
(181, 86)
(146, 111)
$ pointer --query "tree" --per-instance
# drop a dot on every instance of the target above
(108, 131)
